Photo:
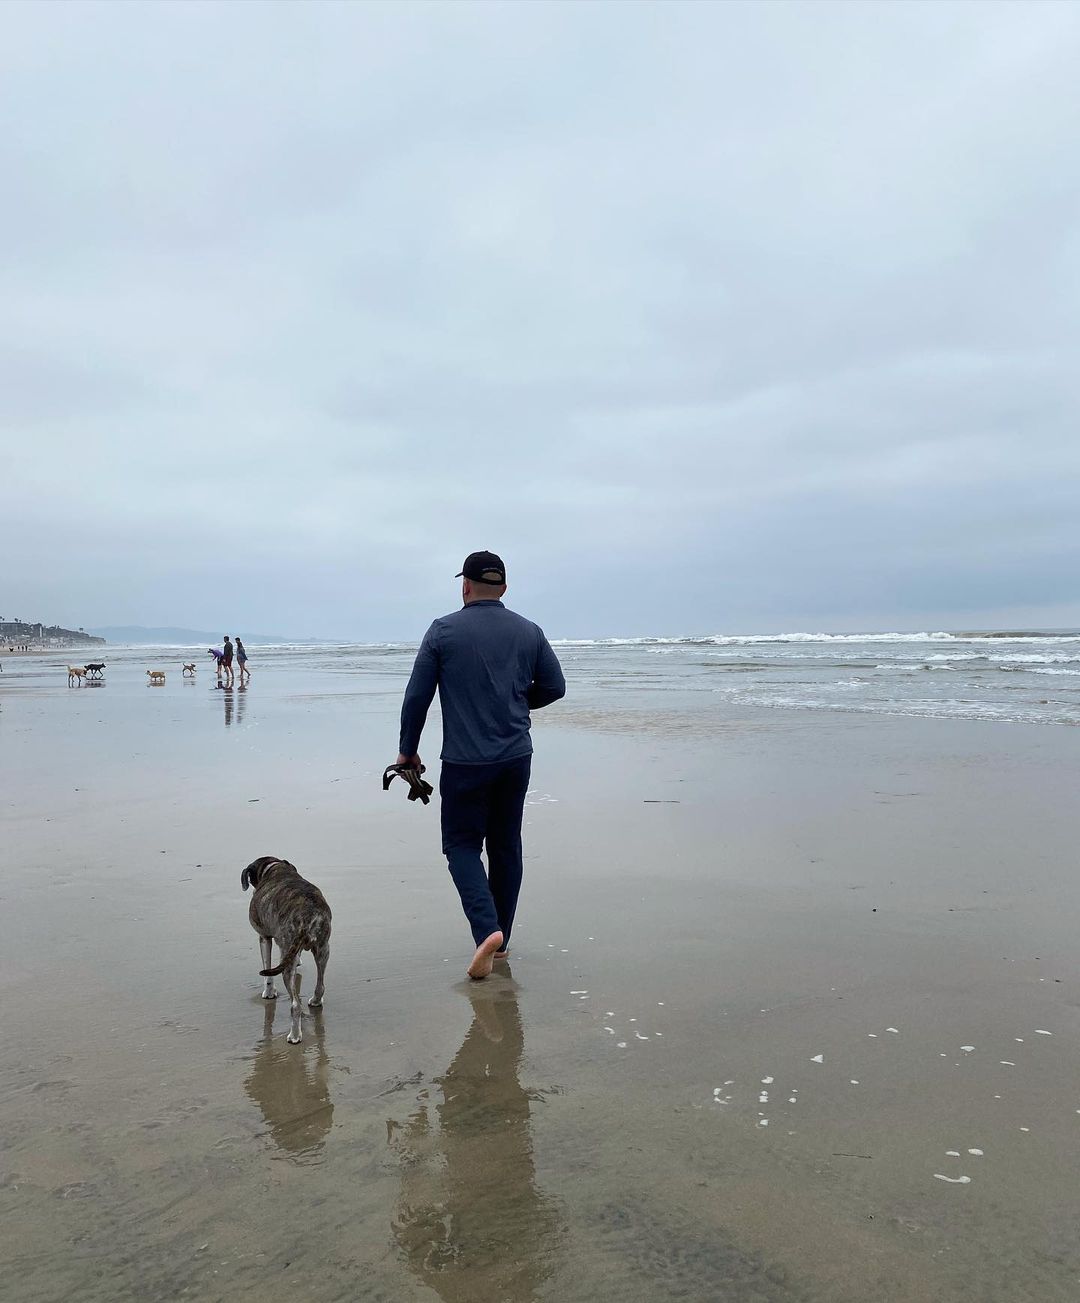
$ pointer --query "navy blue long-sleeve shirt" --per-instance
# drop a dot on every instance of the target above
(491, 667)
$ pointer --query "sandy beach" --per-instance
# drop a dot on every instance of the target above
(792, 1013)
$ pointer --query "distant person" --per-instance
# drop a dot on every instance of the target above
(227, 658)
(218, 658)
(491, 667)
(241, 658)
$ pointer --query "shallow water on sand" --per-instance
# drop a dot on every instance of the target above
(781, 981)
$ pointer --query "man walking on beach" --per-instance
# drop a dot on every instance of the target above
(491, 667)
(226, 659)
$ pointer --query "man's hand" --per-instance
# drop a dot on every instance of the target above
(410, 762)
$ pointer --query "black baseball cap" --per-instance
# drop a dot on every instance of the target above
(484, 568)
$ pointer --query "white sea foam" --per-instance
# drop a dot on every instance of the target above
(1035, 658)
(752, 639)
(1008, 658)
(947, 708)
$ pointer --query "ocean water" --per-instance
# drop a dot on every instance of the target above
(1023, 678)
(1031, 677)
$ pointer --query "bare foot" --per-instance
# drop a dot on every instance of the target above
(501, 954)
(485, 954)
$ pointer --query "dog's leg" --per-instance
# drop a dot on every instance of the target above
(291, 978)
(322, 958)
(265, 945)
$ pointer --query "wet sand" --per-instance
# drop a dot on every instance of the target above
(869, 922)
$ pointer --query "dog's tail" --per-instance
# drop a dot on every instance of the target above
(286, 959)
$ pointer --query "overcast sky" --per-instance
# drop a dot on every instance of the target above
(708, 318)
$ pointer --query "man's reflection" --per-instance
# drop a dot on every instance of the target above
(239, 701)
(290, 1084)
(470, 1221)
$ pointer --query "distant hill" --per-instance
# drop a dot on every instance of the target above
(137, 635)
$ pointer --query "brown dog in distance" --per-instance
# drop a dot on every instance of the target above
(288, 909)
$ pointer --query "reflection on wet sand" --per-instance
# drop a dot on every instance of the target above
(290, 1084)
(471, 1222)
(239, 702)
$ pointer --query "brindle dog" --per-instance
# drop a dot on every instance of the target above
(288, 909)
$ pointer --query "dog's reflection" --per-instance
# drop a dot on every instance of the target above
(238, 702)
(470, 1221)
(290, 1084)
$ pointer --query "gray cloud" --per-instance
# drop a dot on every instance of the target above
(741, 316)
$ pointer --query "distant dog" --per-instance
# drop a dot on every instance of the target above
(189, 667)
(156, 676)
(94, 669)
(288, 909)
(76, 674)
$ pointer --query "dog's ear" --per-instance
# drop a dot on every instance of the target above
(255, 870)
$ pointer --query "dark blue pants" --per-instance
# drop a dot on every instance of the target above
(483, 804)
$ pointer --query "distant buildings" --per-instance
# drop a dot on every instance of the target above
(20, 633)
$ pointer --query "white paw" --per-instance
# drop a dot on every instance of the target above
(269, 993)
(315, 1002)
(294, 1039)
